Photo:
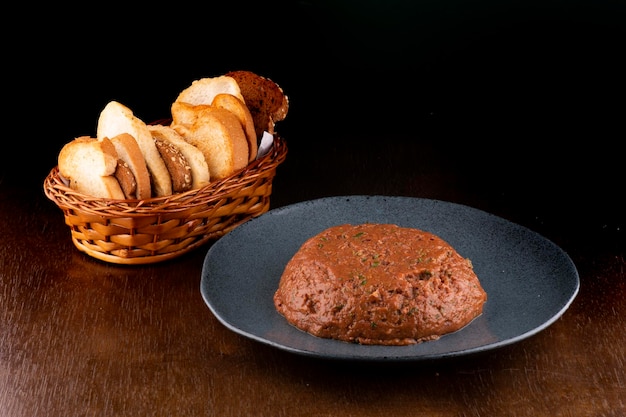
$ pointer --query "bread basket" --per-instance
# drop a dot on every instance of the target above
(147, 231)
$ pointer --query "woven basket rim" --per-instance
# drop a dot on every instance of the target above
(57, 190)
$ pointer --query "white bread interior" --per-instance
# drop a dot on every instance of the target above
(200, 173)
(116, 118)
(89, 164)
(203, 91)
(185, 113)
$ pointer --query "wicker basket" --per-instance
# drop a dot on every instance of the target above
(154, 230)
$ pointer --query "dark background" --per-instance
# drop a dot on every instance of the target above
(524, 95)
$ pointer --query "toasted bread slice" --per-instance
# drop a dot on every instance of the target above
(89, 164)
(177, 165)
(203, 91)
(185, 113)
(265, 99)
(128, 151)
(116, 118)
(200, 174)
(239, 109)
(126, 179)
(220, 137)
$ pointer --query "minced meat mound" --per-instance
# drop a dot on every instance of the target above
(379, 284)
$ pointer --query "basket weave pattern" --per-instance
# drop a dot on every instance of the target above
(161, 228)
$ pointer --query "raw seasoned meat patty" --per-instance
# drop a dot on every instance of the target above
(378, 284)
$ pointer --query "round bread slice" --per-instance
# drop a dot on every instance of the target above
(203, 91)
(185, 113)
(265, 99)
(200, 174)
(218, 134)
(239, 109)
(116, 118)
(89, 164)
(128, 151)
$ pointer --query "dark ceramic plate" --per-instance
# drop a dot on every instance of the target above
(530, 282)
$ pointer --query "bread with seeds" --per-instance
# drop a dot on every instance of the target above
(265, 99)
